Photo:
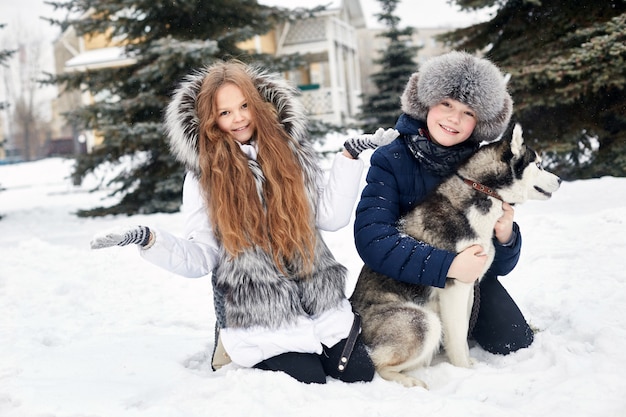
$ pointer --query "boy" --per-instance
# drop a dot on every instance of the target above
(454, 103)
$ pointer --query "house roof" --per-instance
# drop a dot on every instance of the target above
(98, 58)
(308, 4)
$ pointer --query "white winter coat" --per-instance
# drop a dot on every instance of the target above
(195, 255)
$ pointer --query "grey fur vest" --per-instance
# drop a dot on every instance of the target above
(249, 290)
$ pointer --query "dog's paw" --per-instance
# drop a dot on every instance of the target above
(400, 378)
(414, 382)
(462, 361)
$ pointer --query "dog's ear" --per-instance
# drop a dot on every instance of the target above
(517, 141)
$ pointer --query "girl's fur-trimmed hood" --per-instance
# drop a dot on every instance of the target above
(182, 123)
(249, 289)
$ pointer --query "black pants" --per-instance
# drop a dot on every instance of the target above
(312, 368)
(500, 327)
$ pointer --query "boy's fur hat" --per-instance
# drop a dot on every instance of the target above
(476, 82)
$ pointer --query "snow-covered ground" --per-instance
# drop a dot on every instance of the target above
(103, 333)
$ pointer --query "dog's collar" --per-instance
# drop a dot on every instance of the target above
(481, 188)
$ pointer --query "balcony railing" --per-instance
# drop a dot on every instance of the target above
(318, 101)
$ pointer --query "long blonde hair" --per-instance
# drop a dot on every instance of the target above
(282, 223)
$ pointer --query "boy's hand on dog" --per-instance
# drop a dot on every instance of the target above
(468, 265)
(504, 226)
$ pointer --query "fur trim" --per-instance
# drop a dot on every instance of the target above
(255, 293)
(248, 289)
(181, 119)
(252, 292)
(473, 81)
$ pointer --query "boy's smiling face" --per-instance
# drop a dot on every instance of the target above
(450, 122)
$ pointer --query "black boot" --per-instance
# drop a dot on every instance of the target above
(305, 367)
(500, 327)
(360, 367)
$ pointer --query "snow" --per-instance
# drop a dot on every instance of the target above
(103, 333)
(98, 58)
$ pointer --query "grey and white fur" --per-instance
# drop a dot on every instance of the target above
(405, 325)
(249, 290)
(458, 75)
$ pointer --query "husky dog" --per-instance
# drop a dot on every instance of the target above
(404, 325)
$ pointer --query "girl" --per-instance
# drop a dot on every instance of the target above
(255, 204)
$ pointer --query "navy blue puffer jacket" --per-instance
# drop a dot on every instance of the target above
(397, 182)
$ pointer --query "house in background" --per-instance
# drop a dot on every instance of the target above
(80, 53)
(336, 44)
(331, 81)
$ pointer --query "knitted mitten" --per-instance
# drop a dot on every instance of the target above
(358, 144)
(139, 235)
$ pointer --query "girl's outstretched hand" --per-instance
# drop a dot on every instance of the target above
(121, 236)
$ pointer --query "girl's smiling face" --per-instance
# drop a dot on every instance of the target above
(233, 115)
(450, 122)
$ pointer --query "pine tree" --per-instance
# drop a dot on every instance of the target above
(382, 108)
(168, 40)
(568, 77)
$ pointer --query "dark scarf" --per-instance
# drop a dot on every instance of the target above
(440, 160)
